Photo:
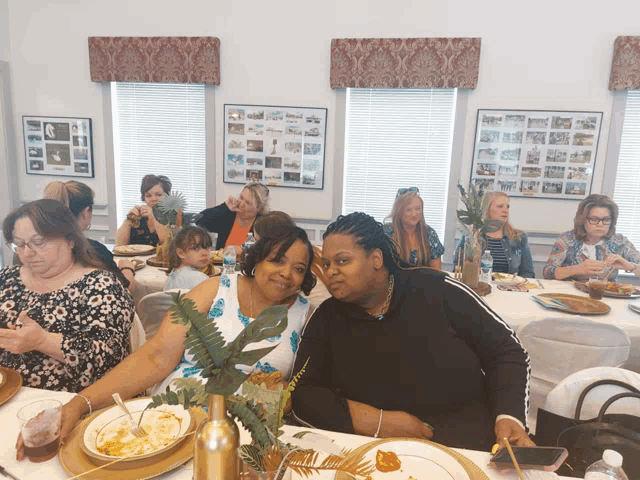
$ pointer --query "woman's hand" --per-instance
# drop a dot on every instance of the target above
(232, 203)
(146, 211)
(507, 427)
(26, 339)
(616, 261)
(591, 267)
(134, 211)
(125, 262)
(403, 424)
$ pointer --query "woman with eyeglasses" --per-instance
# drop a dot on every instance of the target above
(234, 219)
(593, 246)
(64, 320)
(419, 243)
(141, 227)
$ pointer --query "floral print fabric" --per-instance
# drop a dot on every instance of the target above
(94, 315)
(436, 250)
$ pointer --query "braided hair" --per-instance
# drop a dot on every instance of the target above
(369, 234)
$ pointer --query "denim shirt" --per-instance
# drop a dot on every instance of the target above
(517, 252)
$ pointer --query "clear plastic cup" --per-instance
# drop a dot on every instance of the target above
(597, 286)
(40, 428)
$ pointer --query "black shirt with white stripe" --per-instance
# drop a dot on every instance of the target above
(500, 262)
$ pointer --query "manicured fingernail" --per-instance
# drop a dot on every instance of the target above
(495, 449)
(430, 426)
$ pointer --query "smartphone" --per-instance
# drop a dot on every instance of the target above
(532, 458)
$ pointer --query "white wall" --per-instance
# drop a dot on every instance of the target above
(542, 55)
(4, 30)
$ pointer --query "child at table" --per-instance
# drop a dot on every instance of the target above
(188, 254)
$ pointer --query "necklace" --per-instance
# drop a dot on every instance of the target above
(383, 309)
(251, 295)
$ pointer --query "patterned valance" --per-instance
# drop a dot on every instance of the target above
(155, 59)
(405, 62)
(625, 67)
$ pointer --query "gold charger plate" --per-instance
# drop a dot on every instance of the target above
(154, 262)
(473, 471)
(133, 250)
(75, 461)
(583, 287)
(573, 303)
(11, 383)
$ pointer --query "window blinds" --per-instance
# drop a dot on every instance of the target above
(159, 129)
(398, 138)
(627, 189)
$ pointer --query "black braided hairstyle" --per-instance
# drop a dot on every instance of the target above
(369, 234)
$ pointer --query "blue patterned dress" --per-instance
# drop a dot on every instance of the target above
(230, 321)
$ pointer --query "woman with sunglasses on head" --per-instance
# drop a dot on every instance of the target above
(395, 348)
(509, 246)
(234, 219)
(593, 247)
(140, 226)
(419, 243)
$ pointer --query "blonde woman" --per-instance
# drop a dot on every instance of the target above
(509, 246)
(419, 243)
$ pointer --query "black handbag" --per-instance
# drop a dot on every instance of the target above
(586, 440)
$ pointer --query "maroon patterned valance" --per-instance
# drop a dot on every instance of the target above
(625, 67)
(405, 62)
(155, 59)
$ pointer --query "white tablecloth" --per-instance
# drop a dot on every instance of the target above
(518, 309)
(51, 469)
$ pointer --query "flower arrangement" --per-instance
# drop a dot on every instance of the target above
(472, 220)
(170, 211)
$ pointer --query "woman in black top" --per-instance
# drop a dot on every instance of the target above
(394, 348)
(79, 198)
(141, 227)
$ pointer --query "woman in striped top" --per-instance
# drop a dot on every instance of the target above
(509, 247)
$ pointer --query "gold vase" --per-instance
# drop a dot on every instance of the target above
(216, 444)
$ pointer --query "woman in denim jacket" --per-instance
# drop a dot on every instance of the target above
(509, 247)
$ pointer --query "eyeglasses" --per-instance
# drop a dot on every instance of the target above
(37, 244)
(596, 220)
(402, 191)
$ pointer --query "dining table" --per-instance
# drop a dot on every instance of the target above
(519, 308)
(52, 469)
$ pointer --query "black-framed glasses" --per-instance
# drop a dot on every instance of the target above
(37, 245)
(402, 191)
(597, 220)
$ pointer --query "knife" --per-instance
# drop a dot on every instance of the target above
(4, 472)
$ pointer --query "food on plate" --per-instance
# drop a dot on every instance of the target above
(217, 256)
(134, 220)
(132, 249)
(387, 461)
(270, 380)
(621, 288)
(116, 439)
(501, 276)
(210, 269)
(137, 263)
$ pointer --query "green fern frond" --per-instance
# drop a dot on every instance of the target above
(251, 456)
(251, 416)
(290, 388)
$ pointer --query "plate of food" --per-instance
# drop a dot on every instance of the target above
(613, 290)
(211, 270)
(217, 256)
(138, 264)
(507, 279)
(133, 250)
(108, 437)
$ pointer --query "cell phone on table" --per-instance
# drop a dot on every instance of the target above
(531, 458)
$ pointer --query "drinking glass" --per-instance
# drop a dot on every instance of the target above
(597, 286)
(40, 428)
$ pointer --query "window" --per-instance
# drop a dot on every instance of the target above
(159, 129)
(626, 193)
(398, 138)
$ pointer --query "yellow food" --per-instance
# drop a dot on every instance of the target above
(387, 462)
(621, 288)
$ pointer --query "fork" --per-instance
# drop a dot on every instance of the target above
(135, 430)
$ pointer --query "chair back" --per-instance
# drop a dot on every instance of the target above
(563, 399)
(137, 336)
(152, 308)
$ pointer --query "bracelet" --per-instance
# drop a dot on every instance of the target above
(635, 266)
(128, 268)
(86, 400)
(379, 425)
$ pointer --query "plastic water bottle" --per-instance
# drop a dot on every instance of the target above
(486, 265)
(249, 242)
(229, 259)
(609, 468)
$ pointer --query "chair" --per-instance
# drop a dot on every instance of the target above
(137, 336)
(558, 347)
(152, 308)
(563, 399)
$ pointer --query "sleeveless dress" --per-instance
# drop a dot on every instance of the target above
(225, 310)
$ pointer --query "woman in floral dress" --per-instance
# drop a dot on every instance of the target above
(64, 320)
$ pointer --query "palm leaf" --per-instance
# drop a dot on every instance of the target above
(304, 462)
(251, 455)
(271, 322)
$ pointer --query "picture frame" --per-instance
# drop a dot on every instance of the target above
(536, 153)
(60, 146)
(276, 145)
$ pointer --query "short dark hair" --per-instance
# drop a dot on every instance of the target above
(584, 209)
(52, 219)
(150, 181)
(280, 237)
(369, 234)
(270, 220)
(189, 237)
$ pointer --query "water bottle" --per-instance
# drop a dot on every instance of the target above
(229, 259)
(486, 265)
(249, 242)
(609, 468)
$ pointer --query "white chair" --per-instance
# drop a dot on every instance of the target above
(563, 399)
(559, 347)
(152, 308)
(137, 336)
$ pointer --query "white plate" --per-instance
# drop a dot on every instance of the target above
(635, 306)
(419, 460)
(1, 378)
(508, 279)
(106, 425)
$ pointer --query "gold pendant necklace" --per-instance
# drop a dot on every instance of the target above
(383, 309)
